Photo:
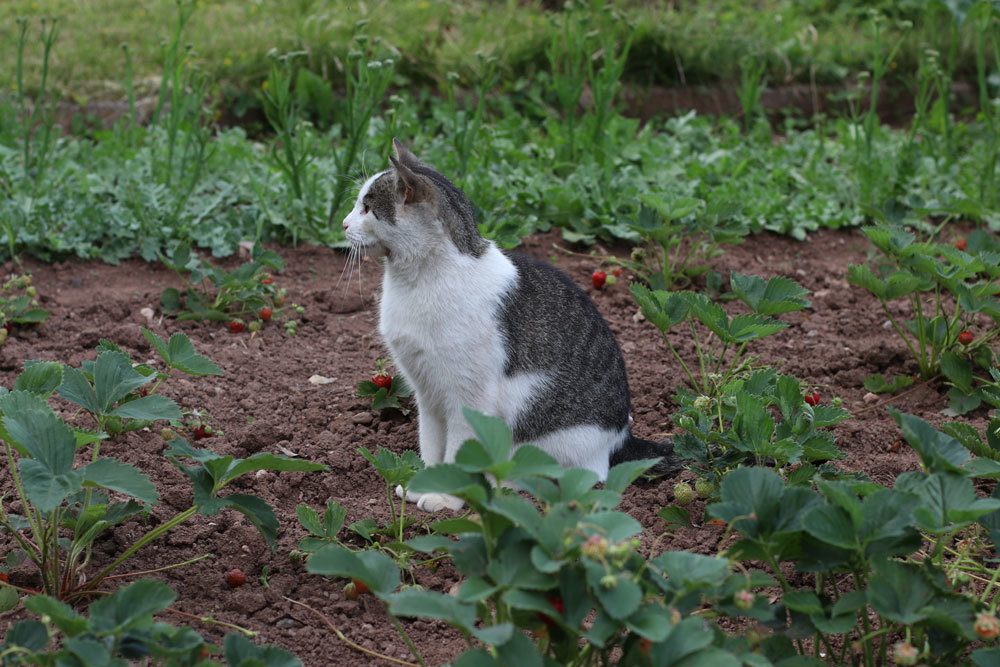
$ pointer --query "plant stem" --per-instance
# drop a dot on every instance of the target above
(341, 637)
(162, 529)
(172, 566)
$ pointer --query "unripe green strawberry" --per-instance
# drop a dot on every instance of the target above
(683, 493)
(595, 547)
(743, 600)
(609, 581)
(31, 291)
(685, 422)
(702, 403)
(704, 488)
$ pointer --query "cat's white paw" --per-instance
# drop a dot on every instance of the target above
(435, 502)
(431, 502)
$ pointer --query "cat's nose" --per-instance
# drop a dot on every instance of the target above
(346, 225)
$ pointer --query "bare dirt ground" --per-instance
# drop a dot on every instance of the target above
(264, 402)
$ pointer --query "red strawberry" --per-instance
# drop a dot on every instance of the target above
(617, 272)
(966, 337)
(201, 431)
(382, 380)
(4, 577)
(143, 391)
(599, 278)
(265, 314)
(236, 578)
(267, 279)
(355, 589)
(559, 607)
(961, 244)
(812, 399)
(987, 626)
(8, 326)
(236, 327)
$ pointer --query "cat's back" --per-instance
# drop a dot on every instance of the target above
(551, 325)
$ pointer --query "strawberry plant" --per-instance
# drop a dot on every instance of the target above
(322, 530)
(679, 236)
(534, 571)
(885, 562)
(19, 305)
(951, 313)
(721, 350)
(384, 389)
(61, 507)
(244, 298)
(122, 629)
(759, 419)
(396, 470)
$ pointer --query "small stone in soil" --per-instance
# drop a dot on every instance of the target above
(363, 418)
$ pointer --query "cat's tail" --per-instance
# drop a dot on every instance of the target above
(637, 448)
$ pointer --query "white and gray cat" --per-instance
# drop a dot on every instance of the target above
(470, 325)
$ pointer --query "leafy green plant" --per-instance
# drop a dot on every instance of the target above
(679, 236)
(384, 389)
(121, 629)
(35, 115)
(292, 155)
(321, 530)
(948, 293)
(739, 427)
(879, 558)
(463, 126)
(396, 470)
(752, 85)
(544, 569)
(60, 508)
(19, 305)
(722, 353)
(247, 293)
(367, 78)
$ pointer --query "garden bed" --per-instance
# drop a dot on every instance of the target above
(265, 403)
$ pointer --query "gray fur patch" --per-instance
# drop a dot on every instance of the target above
(551, 326)
(455, 211)
(381, 197)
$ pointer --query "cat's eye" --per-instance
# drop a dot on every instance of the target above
(364, 209)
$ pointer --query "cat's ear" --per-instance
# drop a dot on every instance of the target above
(402, 154)
(412, 186)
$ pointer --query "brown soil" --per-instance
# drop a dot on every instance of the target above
(264, 402)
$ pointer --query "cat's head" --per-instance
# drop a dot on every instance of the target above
(410, 211)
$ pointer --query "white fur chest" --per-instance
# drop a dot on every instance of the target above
(440, 321)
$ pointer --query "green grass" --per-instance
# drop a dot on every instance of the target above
(673, 43)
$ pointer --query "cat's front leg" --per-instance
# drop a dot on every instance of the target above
(432, 431)
(432, 428)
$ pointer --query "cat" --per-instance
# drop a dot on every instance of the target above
(470, 325)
